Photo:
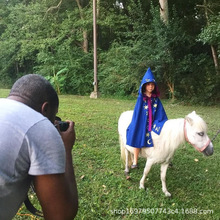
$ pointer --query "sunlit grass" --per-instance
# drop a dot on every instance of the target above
(104, 193)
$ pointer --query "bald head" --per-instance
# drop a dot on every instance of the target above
(33, 90)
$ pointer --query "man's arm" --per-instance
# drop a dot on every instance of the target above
(57, 193)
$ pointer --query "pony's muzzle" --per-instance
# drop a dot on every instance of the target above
(208, 151)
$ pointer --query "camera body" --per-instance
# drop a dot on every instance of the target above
(63, 125)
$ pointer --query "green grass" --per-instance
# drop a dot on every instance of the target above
(104, 193)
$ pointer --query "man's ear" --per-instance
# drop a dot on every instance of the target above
(44, 109)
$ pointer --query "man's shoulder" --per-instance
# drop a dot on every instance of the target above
(19, 116)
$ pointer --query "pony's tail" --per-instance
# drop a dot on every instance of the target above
(123, 152)
(122, 147)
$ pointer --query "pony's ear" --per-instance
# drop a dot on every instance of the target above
(189, 117)
(189, 120)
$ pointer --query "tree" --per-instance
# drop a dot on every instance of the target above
(48, 36)
(211, 33)
(164, 11)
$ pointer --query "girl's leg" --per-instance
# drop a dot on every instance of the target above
(136, 153)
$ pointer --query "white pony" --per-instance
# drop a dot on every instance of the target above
(175, 131)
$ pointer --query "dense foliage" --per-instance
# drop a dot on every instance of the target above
(55, 38)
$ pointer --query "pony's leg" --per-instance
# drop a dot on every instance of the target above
(163, 171)
(147, 168)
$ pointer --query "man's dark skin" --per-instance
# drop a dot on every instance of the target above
(57, 193)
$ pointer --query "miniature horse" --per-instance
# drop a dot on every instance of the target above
(175, 131)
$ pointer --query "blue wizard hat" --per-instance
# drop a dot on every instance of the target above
(148, 77)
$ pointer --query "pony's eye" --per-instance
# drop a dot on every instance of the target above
(200, 134)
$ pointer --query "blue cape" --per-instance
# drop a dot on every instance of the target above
(137, 132)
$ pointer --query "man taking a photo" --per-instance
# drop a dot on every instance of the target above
(33, 150)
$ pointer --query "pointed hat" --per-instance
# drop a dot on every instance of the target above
(148, 77)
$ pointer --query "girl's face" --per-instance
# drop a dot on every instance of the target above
(149, 88)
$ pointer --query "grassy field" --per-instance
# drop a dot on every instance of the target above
(104, 192)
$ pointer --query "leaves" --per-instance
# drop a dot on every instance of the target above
(131, 37)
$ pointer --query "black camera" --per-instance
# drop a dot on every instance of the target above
(63, 125)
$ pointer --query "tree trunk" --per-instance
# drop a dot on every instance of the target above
(164, 15)
(214, 52)
(215, 58)
(85, 44)
(171, 88)
(85, 41)
(164, 12)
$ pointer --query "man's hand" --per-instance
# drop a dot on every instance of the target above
(69, 136)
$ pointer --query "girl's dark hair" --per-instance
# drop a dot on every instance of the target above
(35, 90)
(144, 88)
(155, 92)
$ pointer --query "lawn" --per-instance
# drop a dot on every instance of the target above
(104, 192)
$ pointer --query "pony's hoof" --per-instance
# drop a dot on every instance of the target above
(141, 187)
(128, 178)
(167, 194)
(127, 175)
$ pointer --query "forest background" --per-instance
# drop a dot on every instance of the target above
(179, 40)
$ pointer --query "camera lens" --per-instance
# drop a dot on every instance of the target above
(63, 125)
